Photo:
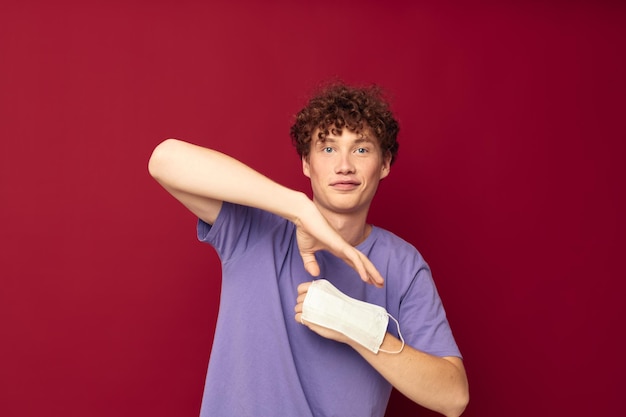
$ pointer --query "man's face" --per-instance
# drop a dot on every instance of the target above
(345, 171)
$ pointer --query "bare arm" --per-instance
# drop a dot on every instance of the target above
(437, 383)
(203, 178)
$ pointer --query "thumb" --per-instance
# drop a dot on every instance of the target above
(310, 263)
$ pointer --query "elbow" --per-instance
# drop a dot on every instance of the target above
(458, 406)
(158, 158)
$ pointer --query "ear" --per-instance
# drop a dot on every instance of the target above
(306, 168)
(386, 167)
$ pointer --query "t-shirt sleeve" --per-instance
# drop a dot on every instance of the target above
(225, 235)
(236, 229)
(423, 319)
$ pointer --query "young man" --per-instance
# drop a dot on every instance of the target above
(268, 356)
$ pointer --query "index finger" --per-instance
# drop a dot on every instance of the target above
(366, 270)
(304, 287)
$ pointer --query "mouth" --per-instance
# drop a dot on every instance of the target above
(345, 185)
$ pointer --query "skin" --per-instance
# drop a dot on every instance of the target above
(345, 171)
(201, 179)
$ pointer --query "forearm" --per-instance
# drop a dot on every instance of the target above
(189, 170)
(202, 178)
(439, 384)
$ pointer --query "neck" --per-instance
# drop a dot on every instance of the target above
(352, 227)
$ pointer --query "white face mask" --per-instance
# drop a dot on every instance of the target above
(362, 322)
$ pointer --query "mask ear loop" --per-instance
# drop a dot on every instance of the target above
(399, 335)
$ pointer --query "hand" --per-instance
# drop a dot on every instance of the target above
(313, 233)
(322, 331)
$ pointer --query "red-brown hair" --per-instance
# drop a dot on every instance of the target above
(338, 106)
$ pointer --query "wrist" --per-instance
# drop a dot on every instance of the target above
(300, 207)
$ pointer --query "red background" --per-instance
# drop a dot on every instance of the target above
(510, 180)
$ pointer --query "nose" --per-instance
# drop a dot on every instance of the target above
(345, 164)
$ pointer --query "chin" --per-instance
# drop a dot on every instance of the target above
(345, 208)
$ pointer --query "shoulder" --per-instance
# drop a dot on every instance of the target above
(238, 225)
(394, 247)
(238, 216)
(406, 272)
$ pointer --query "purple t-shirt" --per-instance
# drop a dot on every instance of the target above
(264, 363)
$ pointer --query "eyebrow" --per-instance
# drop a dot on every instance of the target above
(363, 139)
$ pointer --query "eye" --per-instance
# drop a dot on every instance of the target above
(327, 149)
(361, 150)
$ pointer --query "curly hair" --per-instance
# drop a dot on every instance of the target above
(338, 106)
